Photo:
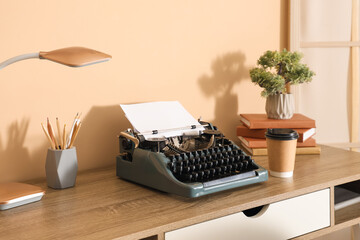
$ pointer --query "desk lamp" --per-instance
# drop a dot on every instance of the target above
(17, 194)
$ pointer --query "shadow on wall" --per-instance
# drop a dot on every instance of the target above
(16, 163)
(227, 70)
(97, 143)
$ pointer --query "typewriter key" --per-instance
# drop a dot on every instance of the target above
(235, 167)
(218, 171)
(221, 161)
(195, 176)
(179, 169)
(223, 169)
(204, 165)
(188, 177)
(245, 165)
(186, 169)
(207, 173)
(198, 167)
(227, 148)
(205, 152)
(240, 166)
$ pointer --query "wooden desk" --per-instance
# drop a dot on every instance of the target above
(101, 206)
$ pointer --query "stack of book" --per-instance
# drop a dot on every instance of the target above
(252, 132)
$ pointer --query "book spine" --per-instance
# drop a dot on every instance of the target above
(245, 121)
(243, 131)
(299, 151)
(261, 143)
(262, 125)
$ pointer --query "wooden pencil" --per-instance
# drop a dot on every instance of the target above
(71, 142)
(48, 137)
(75, 135)
(51, 133)
(72, 130)
(64, 137)
(59, 133)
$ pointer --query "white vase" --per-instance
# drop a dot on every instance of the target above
(280, 106)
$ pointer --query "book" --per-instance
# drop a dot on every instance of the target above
(261, 143)
(263, 151)
(305, 134)
(260, 121)
(242, 130)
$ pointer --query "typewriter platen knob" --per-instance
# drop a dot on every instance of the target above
(127, 144)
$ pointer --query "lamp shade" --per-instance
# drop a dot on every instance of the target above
(75, 56)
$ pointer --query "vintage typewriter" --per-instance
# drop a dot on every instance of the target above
(189, 160)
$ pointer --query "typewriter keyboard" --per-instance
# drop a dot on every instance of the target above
(211, 165)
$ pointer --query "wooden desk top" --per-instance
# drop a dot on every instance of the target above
(101, 206)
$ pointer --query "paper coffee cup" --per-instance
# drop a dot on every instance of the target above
(281, 147)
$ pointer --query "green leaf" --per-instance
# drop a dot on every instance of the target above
(278, 68)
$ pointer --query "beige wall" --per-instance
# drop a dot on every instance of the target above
(196, 52)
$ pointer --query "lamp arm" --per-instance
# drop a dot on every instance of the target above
(18, 58)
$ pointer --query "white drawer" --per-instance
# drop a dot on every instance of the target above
(281, 220)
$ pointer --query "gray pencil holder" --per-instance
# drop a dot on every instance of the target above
(61, 168)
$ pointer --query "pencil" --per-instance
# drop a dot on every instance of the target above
(64, 137)
(51, 133)
(48, 137)
(72, 130)
(59, 133)
(75, 135)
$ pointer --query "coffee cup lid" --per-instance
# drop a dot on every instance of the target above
(281, 134)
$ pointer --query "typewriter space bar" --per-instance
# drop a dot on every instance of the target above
(230, 179)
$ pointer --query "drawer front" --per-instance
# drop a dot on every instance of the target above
(281, 220)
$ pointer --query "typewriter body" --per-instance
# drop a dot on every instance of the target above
(195, 161)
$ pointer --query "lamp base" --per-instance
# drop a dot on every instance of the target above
(17, 194)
